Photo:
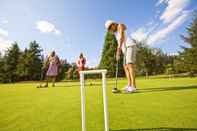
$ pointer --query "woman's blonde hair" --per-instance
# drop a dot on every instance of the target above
(121, 30)
(122, 26)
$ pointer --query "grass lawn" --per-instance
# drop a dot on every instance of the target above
(160, 105)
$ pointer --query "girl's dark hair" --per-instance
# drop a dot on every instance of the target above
(53, 53)
(81, 55)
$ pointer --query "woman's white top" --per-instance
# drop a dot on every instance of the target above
(126, 43)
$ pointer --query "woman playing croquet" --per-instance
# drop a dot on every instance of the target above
(128, 47)
(53, 67)
(111, 40)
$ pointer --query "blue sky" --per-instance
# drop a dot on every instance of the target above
(73, 26)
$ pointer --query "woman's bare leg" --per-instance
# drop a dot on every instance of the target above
(53, 80)
(131, 69)
(47, 81)
(127, 75)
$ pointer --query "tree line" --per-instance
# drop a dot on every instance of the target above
(25, 65)
(21, 65)
(29, 64)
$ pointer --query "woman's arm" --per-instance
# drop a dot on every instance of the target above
(121, 29)
(122, 38)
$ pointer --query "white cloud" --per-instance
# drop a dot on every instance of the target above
(47, 27)
(4, 44)
(150, 23)
(4, 21)
(163, 33)
(57, 32)
(161, 1)
(142, 33)
(3, 33)
(174, 8)
(173, 16)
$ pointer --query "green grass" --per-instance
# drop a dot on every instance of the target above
(160, 104)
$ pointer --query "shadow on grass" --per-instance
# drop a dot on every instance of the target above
(77, 85)
(89, 84)
(159, 129)
(147, 90)
(167, 89)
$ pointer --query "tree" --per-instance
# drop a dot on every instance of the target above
(23, 66)
(2, 68)
(169, 69)
(179, 65)
(30, 65)
(189, 54)
(35, 61)
(145, 61)
(151, 61)
(11, 60)
(72, 72)
(64, 67)
(108, 57)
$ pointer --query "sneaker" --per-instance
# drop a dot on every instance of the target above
(130, 89)
(125, 88)
(134, 89)
(115, 90)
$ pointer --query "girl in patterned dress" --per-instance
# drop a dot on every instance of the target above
(53, 67)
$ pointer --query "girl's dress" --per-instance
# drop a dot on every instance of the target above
(53, 66)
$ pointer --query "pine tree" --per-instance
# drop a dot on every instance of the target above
(23, 65)
(189, 55)
(10, 63)
(108, 57)
(30, 63)
(63, 68)
(35, 62)
(1, 68)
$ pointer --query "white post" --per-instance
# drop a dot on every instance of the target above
(103, 72)
(82, 102)
(105, 102)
